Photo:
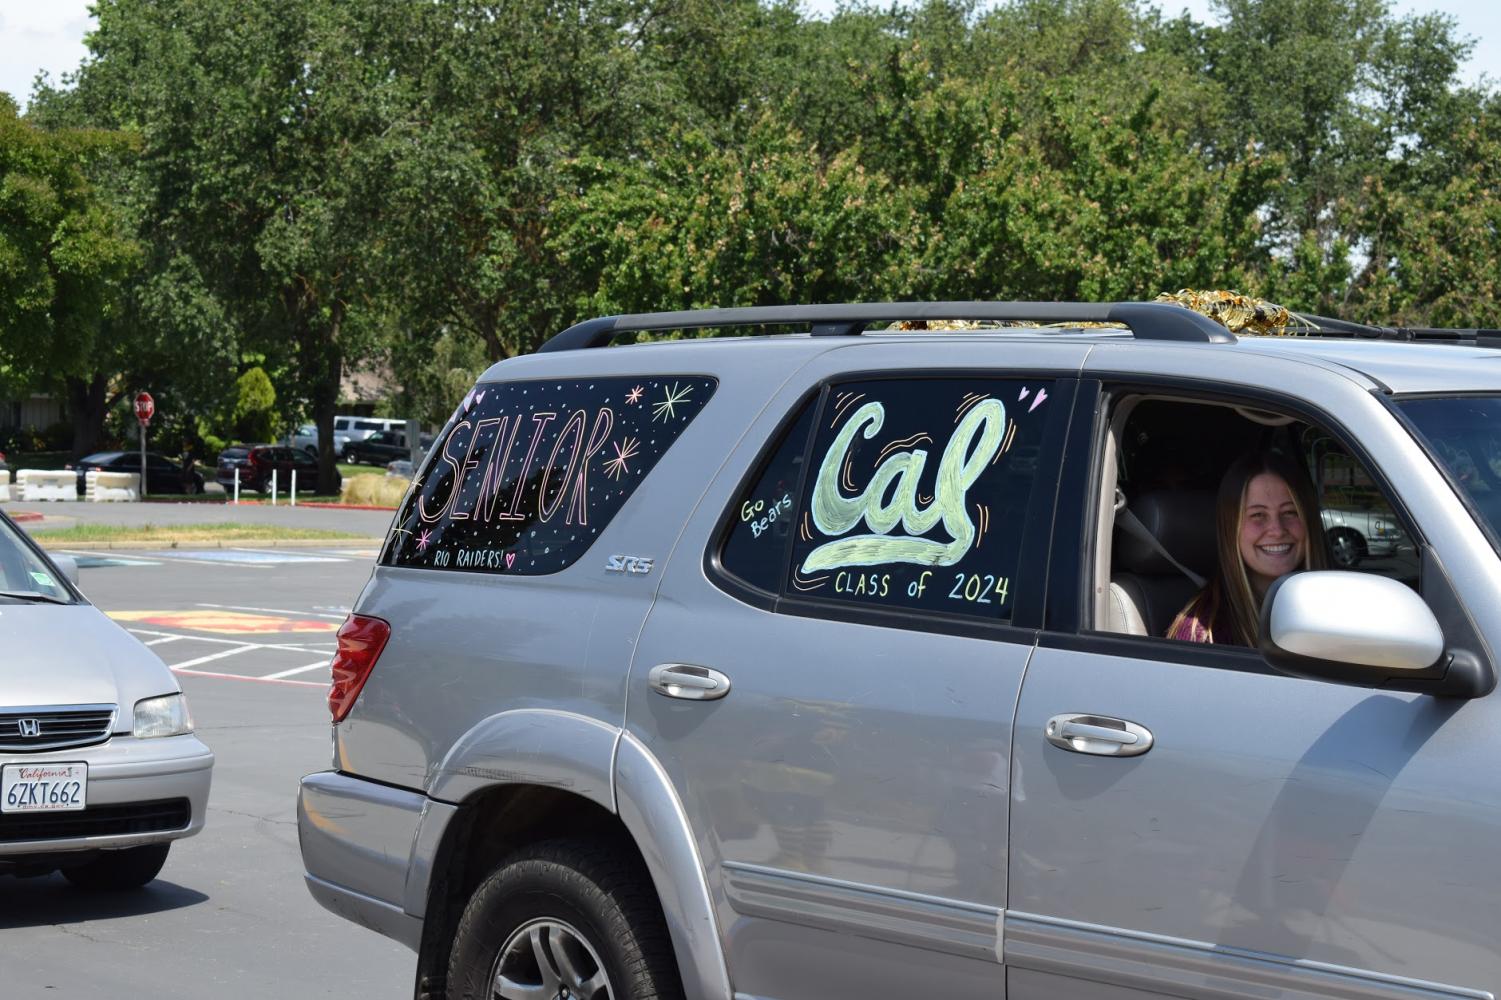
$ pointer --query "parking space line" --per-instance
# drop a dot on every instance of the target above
(164, 557)
(320, 665)
(214, 656)
(294, 647)
(243, 677)
(165, 638)
(272, 611)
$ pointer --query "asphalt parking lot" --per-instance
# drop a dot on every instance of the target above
(250, 632)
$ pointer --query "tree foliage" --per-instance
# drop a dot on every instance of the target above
(444, 183)
(65, 251)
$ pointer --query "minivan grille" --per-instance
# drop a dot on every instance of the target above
(57, 727)
(96, 821)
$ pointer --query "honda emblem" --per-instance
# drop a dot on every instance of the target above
(30, 728)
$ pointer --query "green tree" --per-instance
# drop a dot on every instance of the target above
(269, 132)
(66, 255)
(254, 415)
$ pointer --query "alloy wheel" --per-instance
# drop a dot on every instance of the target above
(549, 960)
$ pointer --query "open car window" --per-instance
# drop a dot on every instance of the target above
(1169, 458)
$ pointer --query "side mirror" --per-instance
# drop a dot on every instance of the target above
(1351, 619)
(1356, 628)
(68, 566)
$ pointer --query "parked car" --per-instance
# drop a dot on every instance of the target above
(382, 447)
(162, 474)
(100, 770)
(255, 464)
(304, 439)
(347, 429)
(353, 428)
(401, 468)
(835, 665)
(1355, 534)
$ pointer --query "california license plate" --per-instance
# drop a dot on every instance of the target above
(43, 787)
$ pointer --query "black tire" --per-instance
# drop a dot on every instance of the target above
(1346, 548)
(350, 458)
(602, 894)
(114, 871)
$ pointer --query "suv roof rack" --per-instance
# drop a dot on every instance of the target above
(1145, 320)
(1324, 326)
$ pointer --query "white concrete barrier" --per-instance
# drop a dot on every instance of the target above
(47, 484)
(108, 487)
(4, 485)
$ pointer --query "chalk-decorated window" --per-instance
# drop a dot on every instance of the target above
(917, 493)
(527, 474)
(755, 550)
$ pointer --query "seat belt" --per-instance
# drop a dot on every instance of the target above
(1133, 527)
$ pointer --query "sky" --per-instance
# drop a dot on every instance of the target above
(48, 34)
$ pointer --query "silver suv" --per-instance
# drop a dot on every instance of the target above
(834, 665)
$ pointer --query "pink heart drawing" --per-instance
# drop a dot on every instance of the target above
(479, 397)
(510, 558)
(1041, 395)
(1025, 393)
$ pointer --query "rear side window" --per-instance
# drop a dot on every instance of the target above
(908, 494)
(760, 527)
(527, 474)
(917, 492)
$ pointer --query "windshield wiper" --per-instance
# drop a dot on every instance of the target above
(33, 595)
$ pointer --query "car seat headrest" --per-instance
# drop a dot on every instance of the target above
(1182, 521)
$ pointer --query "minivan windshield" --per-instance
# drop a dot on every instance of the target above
(23, 576)
(1463, 434)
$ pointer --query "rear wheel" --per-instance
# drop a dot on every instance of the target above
(564, 919)
(1345, 548)
(349, 457)
(117, 870)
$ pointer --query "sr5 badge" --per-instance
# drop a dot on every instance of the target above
(628, 564)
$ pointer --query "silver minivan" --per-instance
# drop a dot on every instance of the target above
(837, 665)
(100, 770)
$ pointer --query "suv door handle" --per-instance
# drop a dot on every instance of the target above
(687, 681)
(1099, 735)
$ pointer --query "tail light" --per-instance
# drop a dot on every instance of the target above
(361, 640)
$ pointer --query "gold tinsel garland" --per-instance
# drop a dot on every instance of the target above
(1238, 313)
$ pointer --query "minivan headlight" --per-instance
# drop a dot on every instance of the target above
(167, 715)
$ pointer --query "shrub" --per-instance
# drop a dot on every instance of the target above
(375, 490)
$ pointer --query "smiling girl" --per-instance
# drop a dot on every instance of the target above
(1267, 525)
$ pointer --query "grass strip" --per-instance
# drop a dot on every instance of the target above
(166, 534)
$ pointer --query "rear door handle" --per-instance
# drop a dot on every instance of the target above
(1098, 735)
(688, 681)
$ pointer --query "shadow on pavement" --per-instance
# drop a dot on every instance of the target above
(51, 900)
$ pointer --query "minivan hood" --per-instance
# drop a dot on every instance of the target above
(53, 654)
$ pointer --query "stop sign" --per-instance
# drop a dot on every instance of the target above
(145, 407)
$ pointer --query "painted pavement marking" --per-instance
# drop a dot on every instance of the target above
(321, 685)
(213, 656)
(293, 647)
(275, 611)
(93, 560)
(320, 665)
(243, 557)
(224, 622)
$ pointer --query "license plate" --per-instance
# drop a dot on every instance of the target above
(43, 787)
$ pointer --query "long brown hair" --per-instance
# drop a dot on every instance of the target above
(1227, 606)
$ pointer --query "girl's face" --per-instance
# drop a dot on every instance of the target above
(1273, 537)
